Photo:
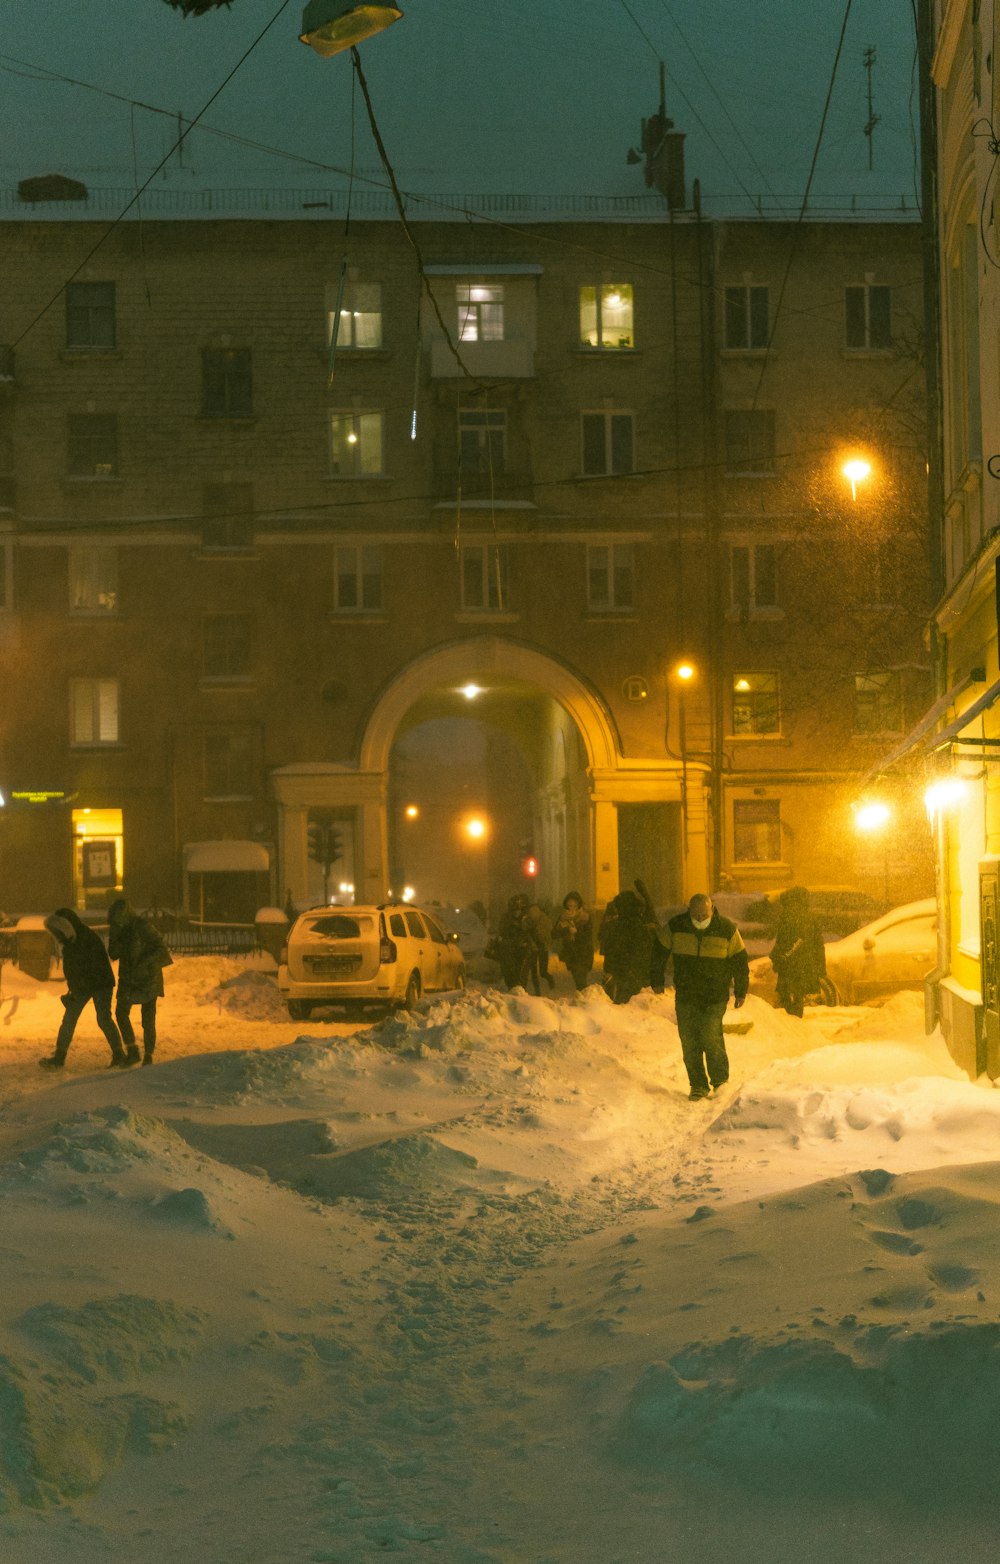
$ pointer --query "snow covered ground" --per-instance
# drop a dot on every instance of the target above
(481, 1285)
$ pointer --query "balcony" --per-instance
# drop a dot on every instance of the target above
(507, 360)
(509, 487)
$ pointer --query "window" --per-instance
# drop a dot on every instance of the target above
(480, 312)
(482, 441)
(608, 443)
(484, 575)
(229, 765)
(878, 703)
(755, 703)
(90, 314)
(360, 315)
(92, 445)
(228, 521)
(356, 445)
(415, 924)
(867, 313)
(227, 382)
(756, 830)
(226, 645)
(93, 579)
(750, 440)
(753, 576)
(610, 576)
(747, 319)
(606, 316)
(357, 579)
(93, 711)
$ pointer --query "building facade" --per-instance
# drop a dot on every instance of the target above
(395, 531)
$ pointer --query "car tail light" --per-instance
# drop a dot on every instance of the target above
(386, 951)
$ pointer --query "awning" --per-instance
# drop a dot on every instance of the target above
(226, 858)
(922, 728)
(970, 714)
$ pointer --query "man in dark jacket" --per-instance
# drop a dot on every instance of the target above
(628, 934)
(709, 958)
(141, 955)
(89, 976)
(798, 954)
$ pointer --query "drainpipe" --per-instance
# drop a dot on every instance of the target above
(932, 1004)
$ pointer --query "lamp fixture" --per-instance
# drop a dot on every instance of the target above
(330, 26)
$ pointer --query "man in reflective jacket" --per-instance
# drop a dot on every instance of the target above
(709, 959)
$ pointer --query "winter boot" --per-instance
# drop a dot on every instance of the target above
(55, 1062)
(147, 1057)
(131, 1054)
(119, 1060)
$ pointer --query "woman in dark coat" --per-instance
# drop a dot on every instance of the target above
(141, 955)
(798, 955)
(89, 976)
(573, 936)
(628, 935)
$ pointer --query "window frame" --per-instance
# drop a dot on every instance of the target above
(227, 511)
(760, 702)
(752, 603)
(473, 324)
(739, 311)
(96, 433)
(869, 327)
(613, 572)
(343, 555)
(888, 697)
(99, 689)
(360, 422)
(625, 332)
(96, 566)
(769, 810)
(609, 417)
(227, 382)
(219, 665)
(83, 317)
(490, 595)
(228, 793)
(491, 453)
(351, 314)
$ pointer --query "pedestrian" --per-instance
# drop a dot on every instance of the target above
(141, 955)
(709, 959)
(89, 977)
(540, 928)
(573, 936)
(798, 954)
(627, 937)
(514, 944)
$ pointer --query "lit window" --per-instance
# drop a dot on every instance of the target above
(229, 761)
(228, 521)
(92, 445)
(747, 322)
(610, 576)
(360, 315)
(90, 314)
(606, 316)
(357, 579)
(878, 705)
(480, 312)
(482, 441)
(750, 440)
(753, 576)
(756, 830)
(868, 322)
(755, 703)
(356, 445)
(93, 708)
(93, 579)
(227, 382)
(608, 443)
(226, 646)
(484, 576)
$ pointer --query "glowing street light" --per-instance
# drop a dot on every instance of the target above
(475, 828)
(685, 672)
(411, 811)
(856, 470)
(470, 691)
(945, 794)
(330, 26)
(872, 816)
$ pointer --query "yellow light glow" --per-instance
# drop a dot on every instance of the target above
(872, 816)
(742, 684)
(685, 671)
(352, 438)
(856, 469)
(475, 828)
(408, 893)
(470, 691)
(944, 794)
(411, 811)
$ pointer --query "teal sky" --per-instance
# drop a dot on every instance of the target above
(527, 96)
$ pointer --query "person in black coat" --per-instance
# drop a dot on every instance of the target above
(798, 955)
(574, 938)
(89, 976)
(141, 955)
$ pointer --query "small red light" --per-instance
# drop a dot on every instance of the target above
(531, 866)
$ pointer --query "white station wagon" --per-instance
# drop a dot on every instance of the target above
(357, 956)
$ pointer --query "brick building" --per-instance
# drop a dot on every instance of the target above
(252, 578)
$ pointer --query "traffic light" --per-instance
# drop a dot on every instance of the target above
(325, 845)
(529, 865)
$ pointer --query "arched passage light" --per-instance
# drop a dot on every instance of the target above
(330, 26)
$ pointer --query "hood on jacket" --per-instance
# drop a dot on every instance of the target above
(119, 911)
(64, 924)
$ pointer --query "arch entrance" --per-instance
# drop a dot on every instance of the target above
(488, 728)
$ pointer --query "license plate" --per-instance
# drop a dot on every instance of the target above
(332, 966)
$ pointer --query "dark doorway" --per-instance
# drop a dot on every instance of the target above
(649, 849)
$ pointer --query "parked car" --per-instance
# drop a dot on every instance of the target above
(839, 909)
(895, 952)
(358, 956)
(469, 927)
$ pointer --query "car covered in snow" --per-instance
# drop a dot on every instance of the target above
(893, 953)
(357, 956)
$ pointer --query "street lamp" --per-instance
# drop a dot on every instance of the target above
(684, 673)
(872, 818)
(330, 26)
(856, 469)
(943, 795)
